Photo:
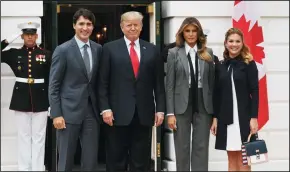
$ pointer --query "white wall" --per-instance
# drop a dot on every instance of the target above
(216, 16)
(12, 13)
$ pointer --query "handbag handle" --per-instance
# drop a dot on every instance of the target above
(249, 137)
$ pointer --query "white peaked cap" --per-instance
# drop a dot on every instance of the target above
(28, 25)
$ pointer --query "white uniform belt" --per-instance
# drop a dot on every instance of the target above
(29, 80)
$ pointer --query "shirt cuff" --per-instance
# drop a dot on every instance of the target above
(161, 113)
(48, 111)
(170, 114)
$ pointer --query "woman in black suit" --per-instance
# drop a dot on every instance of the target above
(236, 99)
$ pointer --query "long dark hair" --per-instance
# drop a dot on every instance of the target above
(201, 41)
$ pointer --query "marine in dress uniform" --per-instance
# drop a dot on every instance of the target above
(29, 101)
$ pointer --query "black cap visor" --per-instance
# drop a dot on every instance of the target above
(29, 31)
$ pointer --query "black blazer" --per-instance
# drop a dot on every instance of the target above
(119, 90)
(246, 85)
(246, 82)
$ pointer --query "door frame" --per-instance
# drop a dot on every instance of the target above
(52, 7)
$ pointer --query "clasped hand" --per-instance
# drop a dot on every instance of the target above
(108, 118)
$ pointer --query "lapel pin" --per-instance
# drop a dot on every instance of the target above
(144, 48)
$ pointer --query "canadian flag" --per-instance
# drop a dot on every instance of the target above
(245, 17)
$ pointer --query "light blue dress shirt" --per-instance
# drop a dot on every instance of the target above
(81, 47)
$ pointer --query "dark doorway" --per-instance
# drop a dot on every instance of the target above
(107, 28)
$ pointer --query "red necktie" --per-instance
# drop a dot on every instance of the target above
(134, 59)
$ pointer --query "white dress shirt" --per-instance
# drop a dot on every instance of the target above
(136, 46)
(192, 52)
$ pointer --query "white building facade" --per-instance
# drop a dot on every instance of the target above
(213, 15)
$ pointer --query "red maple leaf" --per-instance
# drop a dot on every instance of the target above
(263, 114)
(236, 2)
(252, 38)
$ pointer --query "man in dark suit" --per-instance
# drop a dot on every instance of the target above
(29, 101)
(131, 96)
(165, 50)
(72, 97)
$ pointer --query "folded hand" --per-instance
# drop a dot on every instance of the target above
(171, 121)
(108, 118)
(59, 123)
(159, 117)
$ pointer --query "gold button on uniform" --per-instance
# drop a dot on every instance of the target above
(29, 76)
(29, 70)
(29, 65)
(29, 60)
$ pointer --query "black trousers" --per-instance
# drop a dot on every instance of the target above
(128, 147)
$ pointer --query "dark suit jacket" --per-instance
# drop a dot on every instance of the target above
(166, 49)
(122, 93)
(28, 97)
(69, 85)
